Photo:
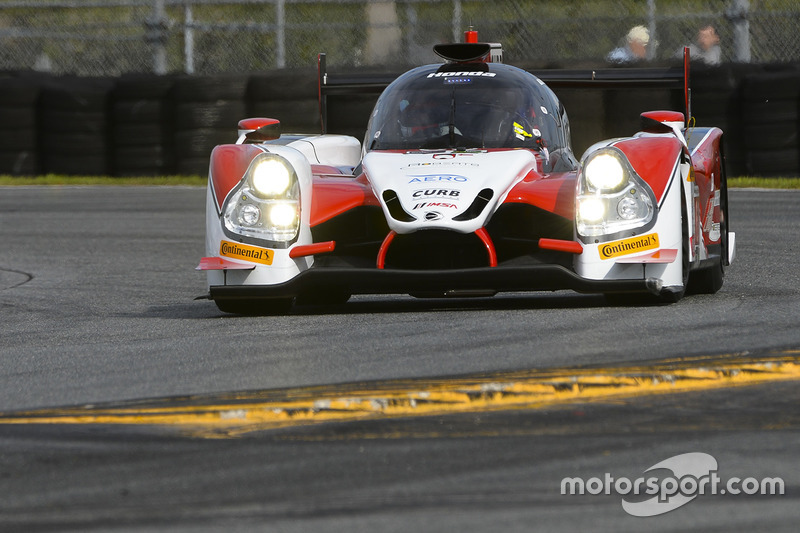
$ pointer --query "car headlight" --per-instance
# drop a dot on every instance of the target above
(271, 177)
(604, 172)
(611, 198)
(265, 206)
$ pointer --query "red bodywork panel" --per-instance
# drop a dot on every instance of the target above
(707, 163)
(653, 159)
(334, 195)
(229, 162)
(554, 193)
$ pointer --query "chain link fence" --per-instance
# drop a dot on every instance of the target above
(114, 37)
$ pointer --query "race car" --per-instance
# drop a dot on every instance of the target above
(466, 185)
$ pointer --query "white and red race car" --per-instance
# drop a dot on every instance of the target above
(466, 185)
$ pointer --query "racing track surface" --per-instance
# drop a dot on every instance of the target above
(99, 327)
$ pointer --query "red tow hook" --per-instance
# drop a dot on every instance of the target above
(483, 235)
(385, 248)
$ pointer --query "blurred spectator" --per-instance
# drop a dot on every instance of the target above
(706, 48)
(634, 49)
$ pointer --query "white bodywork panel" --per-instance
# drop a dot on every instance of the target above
(436, 186)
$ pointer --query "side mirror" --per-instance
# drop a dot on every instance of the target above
(662, 121)
(256, 130)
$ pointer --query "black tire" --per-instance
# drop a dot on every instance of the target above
(200, 142)
(709, 280)
(143, 86)
(142, 161)
(17, 117)
(75, 144)
(18, 139)
(296, 115)
(220, 114)
(277, 306)
(140, 135)
(76, 165)
(773, 162)
(77, 95)
(768, 111)
(19, 163)
(139, 111)
(773, 136)
(210, 89)
(19, 92)
(74, 121)
(623, 107)
(349, 115)
(192, 166)
(284, 84)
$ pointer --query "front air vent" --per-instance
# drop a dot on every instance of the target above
(434, 249)
(477, 206)
(395, 207)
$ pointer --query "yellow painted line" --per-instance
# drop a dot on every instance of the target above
(235, 414)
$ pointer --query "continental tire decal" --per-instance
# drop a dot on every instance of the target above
(235, 250)
(634, 245)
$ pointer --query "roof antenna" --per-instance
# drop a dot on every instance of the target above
(470, 36)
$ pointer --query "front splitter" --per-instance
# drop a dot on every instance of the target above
(393, 281)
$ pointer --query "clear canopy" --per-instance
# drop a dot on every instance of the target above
(467, 106)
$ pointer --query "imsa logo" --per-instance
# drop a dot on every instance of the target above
(628, 246)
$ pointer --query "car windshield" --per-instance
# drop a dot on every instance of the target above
(492, 106)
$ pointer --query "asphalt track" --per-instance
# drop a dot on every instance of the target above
(128, 406)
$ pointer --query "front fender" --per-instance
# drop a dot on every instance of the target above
(655, 159)
(228, 166)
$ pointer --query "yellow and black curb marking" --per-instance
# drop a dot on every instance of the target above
(230, 415)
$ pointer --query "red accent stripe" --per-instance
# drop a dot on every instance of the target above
(561, 246)
(483, 235)
(312, 249)
(385, 248)
(665, 255)
(218, 263)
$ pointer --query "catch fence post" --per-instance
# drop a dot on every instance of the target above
(156, 35)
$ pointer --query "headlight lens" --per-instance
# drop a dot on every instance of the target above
(283, 215)
(266, 204)
(249, 215)
(604, 172)
(611, 197)
(592, 209)
(271, 177)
